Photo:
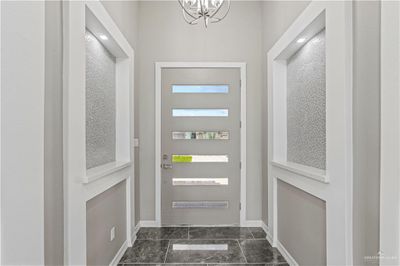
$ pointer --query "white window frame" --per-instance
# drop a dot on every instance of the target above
(81, 185)
(334, 185)
(390, 134)
(176, 65)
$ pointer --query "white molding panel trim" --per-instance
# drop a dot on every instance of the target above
(80, 184)
(243, 139)
(335, 184)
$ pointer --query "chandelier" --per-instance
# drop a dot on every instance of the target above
(210, 10)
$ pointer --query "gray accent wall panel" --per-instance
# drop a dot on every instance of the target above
(53, 137)
(302, 225)
(103, 212)
(306, 115)
(100, 104)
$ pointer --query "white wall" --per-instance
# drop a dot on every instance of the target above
(22, 132)
(164, 36)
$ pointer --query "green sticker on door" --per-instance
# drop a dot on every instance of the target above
(182, 158)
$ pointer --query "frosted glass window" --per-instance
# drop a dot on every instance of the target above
(200, 88)
(199, 135)
(200, 158)
(200, 204)
(100, 103)
(200, 112)
(306, 104)
(200, 181)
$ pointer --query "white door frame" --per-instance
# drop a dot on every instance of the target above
(390, 134)
(158, 69)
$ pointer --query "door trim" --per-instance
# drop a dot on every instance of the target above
(390, 140)
(165, 65)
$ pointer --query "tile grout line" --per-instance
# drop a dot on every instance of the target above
(245, 259)
(251, 233)
(166, 253)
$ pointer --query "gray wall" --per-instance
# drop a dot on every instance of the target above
(277, 17)
(103, 212)
(302, 225)
(53, 169)
(366, 115)
(164, 36)
(126, 16)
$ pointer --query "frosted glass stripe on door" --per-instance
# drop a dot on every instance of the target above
(200, 181)
(200, 112)
(199, 135)
(200, 204)
(200, 88)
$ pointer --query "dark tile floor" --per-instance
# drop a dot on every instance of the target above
(202, 246)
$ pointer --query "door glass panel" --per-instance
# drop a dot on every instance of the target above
(200, 181)
(224, 135)
(199, 204)
(200, 112)
(200, 88)
(200, 158)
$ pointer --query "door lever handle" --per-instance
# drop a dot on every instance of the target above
(166, 166)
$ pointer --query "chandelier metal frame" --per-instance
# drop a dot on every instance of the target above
(194, 10)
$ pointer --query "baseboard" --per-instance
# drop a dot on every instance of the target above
(134, 232)
(148, 223)
(119, 254)
(290, 260)
(253, 223)
(267, 231)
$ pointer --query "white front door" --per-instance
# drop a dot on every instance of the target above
(200, 146)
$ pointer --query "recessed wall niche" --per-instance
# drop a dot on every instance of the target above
(100, 103)
(306, 104)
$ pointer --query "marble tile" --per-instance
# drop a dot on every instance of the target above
(219, 233)
(257, 232)
(249, 264)
(146, 251)
(232, 254)
(141, 264)
(163, 233)
(235, 264)
(260, 251)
